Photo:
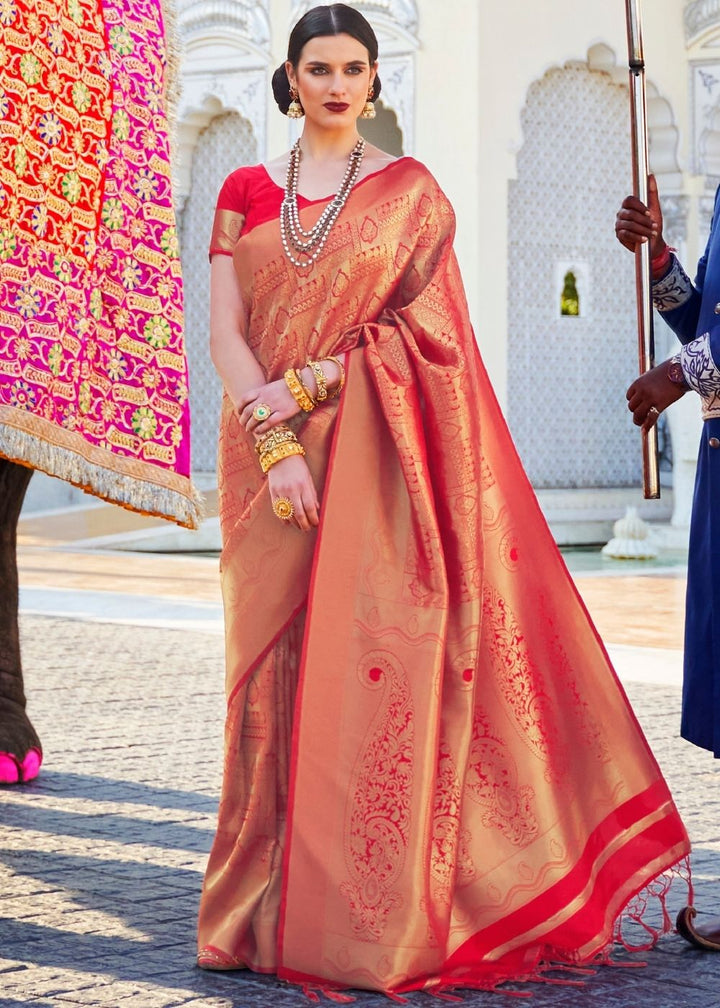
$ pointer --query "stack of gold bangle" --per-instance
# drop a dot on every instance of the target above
(276, 445)
(302, 394)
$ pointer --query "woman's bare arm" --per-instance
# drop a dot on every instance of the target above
(233, 359)
(241, 373)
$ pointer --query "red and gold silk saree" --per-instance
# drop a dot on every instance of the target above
(433, 777)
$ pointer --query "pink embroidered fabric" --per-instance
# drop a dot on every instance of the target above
(93, 375)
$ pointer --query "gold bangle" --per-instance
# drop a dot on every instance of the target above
(307, 390)
(341, 367)
(276, 435)
(282, 451)
(298, 391)
(320, 380)
(274, 442)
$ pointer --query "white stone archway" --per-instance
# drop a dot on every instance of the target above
(224, 142)
(221, 125)
(567, 376)
(226, 55)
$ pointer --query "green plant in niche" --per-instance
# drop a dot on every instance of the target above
(569, 299)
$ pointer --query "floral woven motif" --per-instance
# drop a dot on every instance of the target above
(93, 375)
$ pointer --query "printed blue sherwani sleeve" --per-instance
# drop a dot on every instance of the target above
(678, 300)
(686, 305)
(698, 359)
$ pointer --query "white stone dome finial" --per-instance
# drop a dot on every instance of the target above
(631, 540)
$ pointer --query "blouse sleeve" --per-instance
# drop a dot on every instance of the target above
(230, 214)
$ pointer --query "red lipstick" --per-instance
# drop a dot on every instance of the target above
(337, 106)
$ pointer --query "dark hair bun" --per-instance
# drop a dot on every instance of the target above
(281, 88)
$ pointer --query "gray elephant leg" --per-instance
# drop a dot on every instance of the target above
(20, 750)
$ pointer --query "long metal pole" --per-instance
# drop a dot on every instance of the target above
(640, 168)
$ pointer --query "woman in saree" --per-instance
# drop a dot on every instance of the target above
(433, 778)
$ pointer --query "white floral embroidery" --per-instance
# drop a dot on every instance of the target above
(673, 290)
(702, 374)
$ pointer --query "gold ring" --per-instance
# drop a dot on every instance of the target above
(283, 508)
(261, 412)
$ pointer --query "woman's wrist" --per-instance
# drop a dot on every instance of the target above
(276, 445)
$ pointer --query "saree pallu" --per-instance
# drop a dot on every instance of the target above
(433, 778)
(93, 375)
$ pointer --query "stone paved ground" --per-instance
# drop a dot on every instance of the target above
(101, 858)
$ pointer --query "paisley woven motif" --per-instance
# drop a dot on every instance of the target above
(93, 377)
(379, 815)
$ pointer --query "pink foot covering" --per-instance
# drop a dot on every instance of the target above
(13, 771)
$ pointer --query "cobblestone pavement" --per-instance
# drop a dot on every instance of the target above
(101, 858)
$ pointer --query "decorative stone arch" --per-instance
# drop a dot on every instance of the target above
(702, 36)
(702, 21)
(225, 141)
(196, 118)
(226, 47)
(572, 171)
(221, 125)
(663, 142)
(225, 24)
(663, 133)
(663, 136)
(396, 25)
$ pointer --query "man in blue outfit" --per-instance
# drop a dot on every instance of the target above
(692, 310)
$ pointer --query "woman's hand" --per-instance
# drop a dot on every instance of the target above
(650, 394)
(277, 396)
(636, 223)
(290, 478)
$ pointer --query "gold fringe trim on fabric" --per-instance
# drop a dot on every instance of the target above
(173, 85)
(173, 56)
(130, 483)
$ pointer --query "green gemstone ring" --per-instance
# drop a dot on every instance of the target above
(261, 412)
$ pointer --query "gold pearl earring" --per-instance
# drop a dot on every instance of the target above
(368, 111)
(295, 109)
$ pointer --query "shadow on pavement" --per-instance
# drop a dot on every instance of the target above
(110, 826)
(128, 920)
(90, 787)
(12, 1003)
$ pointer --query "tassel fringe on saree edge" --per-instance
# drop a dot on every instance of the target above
(180, 502)
(636, 911)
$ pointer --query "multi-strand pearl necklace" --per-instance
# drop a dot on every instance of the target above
(295, 238)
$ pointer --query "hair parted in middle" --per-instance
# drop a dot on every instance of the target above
(328, 19)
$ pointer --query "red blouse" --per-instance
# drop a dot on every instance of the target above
(249, 197)
(248, 193)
